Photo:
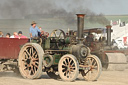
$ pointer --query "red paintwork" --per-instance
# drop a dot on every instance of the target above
(10, 47)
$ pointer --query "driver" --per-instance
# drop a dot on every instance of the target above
(34, 30)
(90, 38)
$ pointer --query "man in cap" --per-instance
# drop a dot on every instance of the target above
(34, 30)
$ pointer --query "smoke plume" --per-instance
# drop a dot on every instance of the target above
(22, 9)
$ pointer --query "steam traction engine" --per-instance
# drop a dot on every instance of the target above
(111, 57)
(60, 56)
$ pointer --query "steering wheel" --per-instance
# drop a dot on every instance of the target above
(58, 33)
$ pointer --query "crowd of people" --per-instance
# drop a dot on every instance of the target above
(15, 35)
(34, 32)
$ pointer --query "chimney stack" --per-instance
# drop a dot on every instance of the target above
(80, 27)
(108, 27)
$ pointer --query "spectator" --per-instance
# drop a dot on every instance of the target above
(46, 34)
(20, 35)
(40, 33)
(14, 35)
(40, 28)
(1, 34)
(34, 30)
(8, 35)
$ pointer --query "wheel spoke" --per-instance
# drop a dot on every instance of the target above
(72, 68)
(86, 72)
(37, 62)
(70, 74)
(55, 34)
(36, 56)
(92, 60)
(35, 65)
(73, 64)
(65, 62)
(29, 72)
(32, 69)
(25, 55)
(33, 54)
(35, 68)
(70, 62)
(95, 67)
(35, 59)
(27, 52)
(27, 66)
(66, 73)
(94, 63)
(30, 51)
(89, 75)
(60, 35)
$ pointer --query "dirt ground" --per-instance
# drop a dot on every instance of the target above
(106, 78)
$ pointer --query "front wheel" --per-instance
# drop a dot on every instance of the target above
(68, 67)
(30, 60)
(92, 68)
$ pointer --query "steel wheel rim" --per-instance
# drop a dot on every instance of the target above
(68, 68)
(93, 72)
(30, 61)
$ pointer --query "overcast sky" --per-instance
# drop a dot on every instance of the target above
(10, 9)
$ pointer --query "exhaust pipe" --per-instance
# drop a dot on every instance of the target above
(108, 27)
(80, 27)
(79, 50)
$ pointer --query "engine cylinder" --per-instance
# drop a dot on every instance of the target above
(80, 51)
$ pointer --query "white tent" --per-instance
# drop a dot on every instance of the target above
(119, 32)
